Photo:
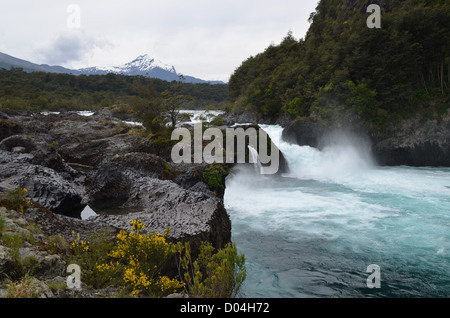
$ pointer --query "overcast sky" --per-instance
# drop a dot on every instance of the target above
(202, 38)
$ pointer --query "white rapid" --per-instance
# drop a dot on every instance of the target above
(314, 231)
(255, 158)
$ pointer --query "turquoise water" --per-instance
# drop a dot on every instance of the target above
(314, 231)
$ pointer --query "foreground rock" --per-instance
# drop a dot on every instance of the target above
(135, 186)
(67, 161)
(42, 249)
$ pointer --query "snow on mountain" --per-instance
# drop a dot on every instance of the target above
(146, 63)
(143, 65)
(147, 66)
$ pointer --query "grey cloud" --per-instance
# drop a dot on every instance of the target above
(70, 47)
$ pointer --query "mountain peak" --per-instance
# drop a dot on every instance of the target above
(146, 63)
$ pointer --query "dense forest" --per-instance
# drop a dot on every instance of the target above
(54, 92)
(344, 68)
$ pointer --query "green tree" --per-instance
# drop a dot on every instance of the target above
(343, 67)
(173, 101)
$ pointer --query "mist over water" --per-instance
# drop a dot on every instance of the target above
(314, 231)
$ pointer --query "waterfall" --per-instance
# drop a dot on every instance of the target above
(343, 156)
(255, 159)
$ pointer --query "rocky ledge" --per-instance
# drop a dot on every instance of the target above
(68, 161)
(413, 142)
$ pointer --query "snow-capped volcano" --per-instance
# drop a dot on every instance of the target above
(140, 66)
(145, 63)
(147, 66)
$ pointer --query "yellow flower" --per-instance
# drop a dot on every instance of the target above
(139, 256)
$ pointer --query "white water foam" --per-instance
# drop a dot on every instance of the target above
(335, 213)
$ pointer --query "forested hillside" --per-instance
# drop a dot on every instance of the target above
(344, 68)
(51, 91)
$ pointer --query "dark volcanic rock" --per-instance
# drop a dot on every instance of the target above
(161, 204)
(42, 150)
(44, 185)
(133, 186)
(39, 168)
(304, 133)
(112, 184)
(416, 143)
(8, 128)
(413, 142)
(249, 117)
(67, 161)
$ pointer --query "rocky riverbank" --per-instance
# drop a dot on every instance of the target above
(68, 161)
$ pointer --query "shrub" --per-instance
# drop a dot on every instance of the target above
(213, 275)
(12, 240)
(139, 259)
(2, 225)
(88, 254)
(27, 287)
(16, 200)
(23, 266)
(57, 244)
(214, 176)
(136, 260)
(162, 145)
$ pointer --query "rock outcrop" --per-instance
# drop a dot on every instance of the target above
(39, 168)
(135, 186)
(67, 161)
(413, 142)
(416, 143)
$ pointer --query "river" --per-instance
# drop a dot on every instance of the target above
(313, 232)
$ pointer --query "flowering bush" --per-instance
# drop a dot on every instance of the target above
(137, 261)
(139, 258)
(79, 246)
(16, 200)
(88, 253)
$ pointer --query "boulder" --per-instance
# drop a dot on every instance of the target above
(44, 185)
(133, 186)
(8, 128)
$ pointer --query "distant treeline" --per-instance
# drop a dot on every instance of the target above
(55, 91)
(345, 68)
